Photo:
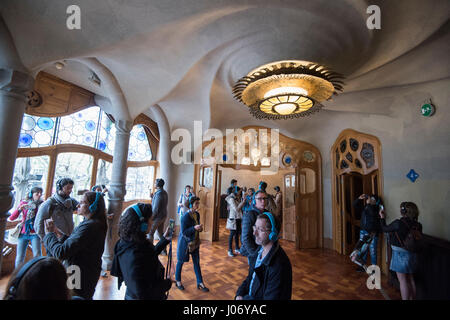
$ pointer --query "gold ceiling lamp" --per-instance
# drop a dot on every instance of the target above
(287, 89)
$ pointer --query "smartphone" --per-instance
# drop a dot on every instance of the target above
(381, 207)
(171, 226)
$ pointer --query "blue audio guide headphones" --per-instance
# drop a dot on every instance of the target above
(273, 236)
(144, 225)
(30, 195)
(93, 206)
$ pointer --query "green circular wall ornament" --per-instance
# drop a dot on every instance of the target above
(427, 109)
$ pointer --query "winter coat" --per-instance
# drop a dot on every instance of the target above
(28, 216)
(137, 264)
(370, 218)
(273, 278)
(60, 210)
(159, 205)
(84, 248)
(235, 211)
(187, 234)
(249, 246)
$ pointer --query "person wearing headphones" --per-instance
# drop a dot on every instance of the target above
(59, 207)
(370, 228)
(84, 247)
(28, 207)
(136, 260)
(41, 278)
(270, 275)
(189, 243)
(159, 209)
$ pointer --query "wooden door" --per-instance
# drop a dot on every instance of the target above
(352, 187)
(289, 216)
(205, 188)
(217, 205)
(307, 208)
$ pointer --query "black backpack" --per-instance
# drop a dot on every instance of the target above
(413, 241)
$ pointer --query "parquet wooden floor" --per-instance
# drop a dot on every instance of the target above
(318, 274)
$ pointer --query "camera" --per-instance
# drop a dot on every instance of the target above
(171, 226)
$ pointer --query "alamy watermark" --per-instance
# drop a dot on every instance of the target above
(73, 21)
(257, 147)
(374, 20)
(374, 279)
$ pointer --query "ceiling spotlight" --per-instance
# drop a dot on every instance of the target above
(59, 65)
(287, 89)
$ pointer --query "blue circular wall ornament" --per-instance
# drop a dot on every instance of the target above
(25, 140)
(412, 175)
(90, 125)
(141, 136)
(45, 123)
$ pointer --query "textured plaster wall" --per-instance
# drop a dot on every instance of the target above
(408, 141)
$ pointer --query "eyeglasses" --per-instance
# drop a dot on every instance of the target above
(261, 198)
(259, 229)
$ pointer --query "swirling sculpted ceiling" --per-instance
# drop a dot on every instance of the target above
(186, 55)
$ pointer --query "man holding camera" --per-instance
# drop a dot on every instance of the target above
(370, 227)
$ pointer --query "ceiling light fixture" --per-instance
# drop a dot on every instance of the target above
(287, 89)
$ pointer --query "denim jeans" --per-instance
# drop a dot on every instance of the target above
(196, 260)
(373, 247)
(22, 245)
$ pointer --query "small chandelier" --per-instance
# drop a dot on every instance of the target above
(287, 89)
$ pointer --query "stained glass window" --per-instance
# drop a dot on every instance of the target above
(139, 182)
(104, 172)
(139, 149)
(107, 135)
(79, 128)
(78, 167)
(89, 127)
(37, 132)
(28, 173)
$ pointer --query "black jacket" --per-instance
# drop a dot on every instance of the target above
(84, 248)
(370, 218)
(273, 279)
(138, 265)
(401, 227)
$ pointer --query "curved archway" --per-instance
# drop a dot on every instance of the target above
(266, 151)
(356, 163)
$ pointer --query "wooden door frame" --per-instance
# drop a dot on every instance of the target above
(302, 155)
(337, 156)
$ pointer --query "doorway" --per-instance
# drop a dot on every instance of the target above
(356, 169)
(297, 158)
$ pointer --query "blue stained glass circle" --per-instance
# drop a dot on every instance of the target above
(90, 125)
(79, 115)
(88, 139)
(287, 160)
(141, 136)
(28, 123)
(131, 155)
(224, 157)
(25, 140)
(102, 145)
(45, 123)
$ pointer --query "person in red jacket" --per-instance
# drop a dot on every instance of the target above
(28, 207)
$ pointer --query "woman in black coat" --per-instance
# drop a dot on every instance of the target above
(403, 261)
(136, 259)
(84, 247)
